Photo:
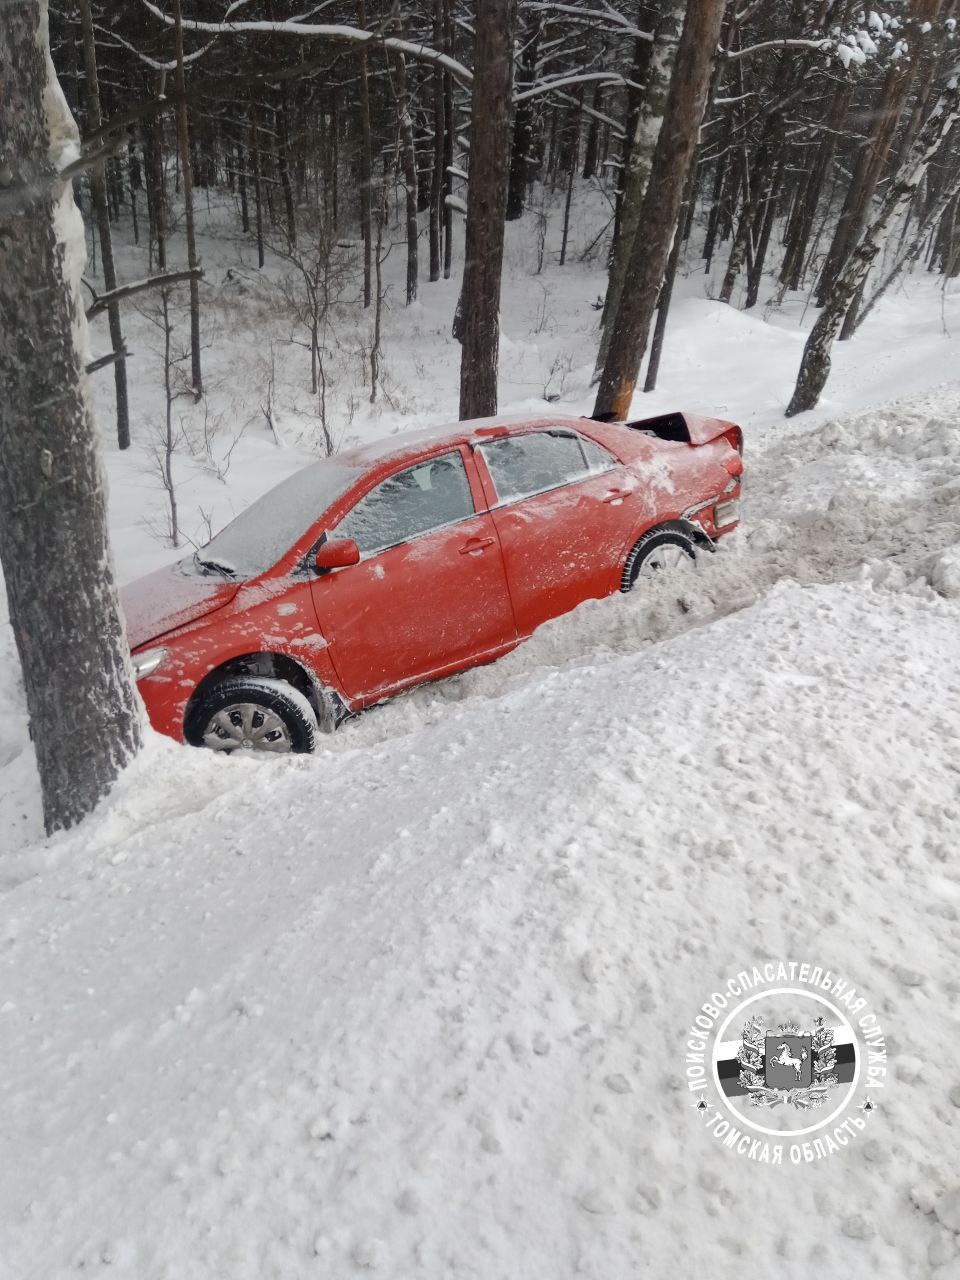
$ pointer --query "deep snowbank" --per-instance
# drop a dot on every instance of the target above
(421, 1006)
(418, 1005)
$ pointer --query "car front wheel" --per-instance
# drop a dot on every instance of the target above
(658, 551)
(250, 713)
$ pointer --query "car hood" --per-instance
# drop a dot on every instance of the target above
(171, 598)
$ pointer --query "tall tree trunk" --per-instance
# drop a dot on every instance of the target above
(135, 182)
(366, 165)
(408, 165)
(282, 119)
(634, 182)
(815, 366)
(436, 174)
(448, 137)
(571, 179)
(242, 185)
(523, 120)
(591, 151)
(666, 293)
(672, 158)
(98, 190)
(257, 181)
(765, 219)
(193, 261)
(486, 207)
(648, 15)
(57, 567)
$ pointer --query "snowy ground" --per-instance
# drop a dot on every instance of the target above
(417, 1005)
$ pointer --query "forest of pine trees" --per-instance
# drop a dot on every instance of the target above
(797, 143)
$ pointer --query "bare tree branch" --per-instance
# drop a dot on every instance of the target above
(103, 300)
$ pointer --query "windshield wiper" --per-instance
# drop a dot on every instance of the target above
(218, 566)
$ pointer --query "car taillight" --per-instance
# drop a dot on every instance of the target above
(735, 438)
(726, 513)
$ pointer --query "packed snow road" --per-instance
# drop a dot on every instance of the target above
(417, 1006)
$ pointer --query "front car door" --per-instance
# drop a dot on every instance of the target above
(429, 595)
(564, 508)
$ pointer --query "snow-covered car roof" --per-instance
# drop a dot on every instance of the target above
(402, 443)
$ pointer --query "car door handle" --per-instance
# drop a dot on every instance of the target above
(473, 546)
(615, 497)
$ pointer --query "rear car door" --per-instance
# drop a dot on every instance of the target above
(564, 508)
(429, 594)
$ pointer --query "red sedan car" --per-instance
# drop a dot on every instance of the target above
(415, 558)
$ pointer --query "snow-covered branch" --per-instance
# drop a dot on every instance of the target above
(114, 37)
(606, 14)
(325, 31)
(562, 82)
(734, 55)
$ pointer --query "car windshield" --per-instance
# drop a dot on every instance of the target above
(259, 536)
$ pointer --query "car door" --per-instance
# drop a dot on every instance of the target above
(564, 508)
(430, 592)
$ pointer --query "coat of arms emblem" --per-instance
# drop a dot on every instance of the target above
(787, 1065)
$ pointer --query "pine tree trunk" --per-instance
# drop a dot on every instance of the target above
(193, 261)
(648, 16)
(366, 166)
(666, 295)
(486, 207)
(98, 190)
(436, 174)
(592, 149)
(242, 186)
(84, 718)
(448, 137)
(672, 158)
(571, 179)
(815, 366)
(765, 215)
(408, 164)
(642, 149)
(523, 120)
(257, 182)
(283, 165)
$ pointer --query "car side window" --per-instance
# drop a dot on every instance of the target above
(410, 503)
(598, 458)
(539, 460)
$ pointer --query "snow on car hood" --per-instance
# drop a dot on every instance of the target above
(170, 598)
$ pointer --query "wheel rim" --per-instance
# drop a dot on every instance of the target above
(668, 556)
(247, 726)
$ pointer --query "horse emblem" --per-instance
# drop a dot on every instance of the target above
(787, 1065)
(784, 1059)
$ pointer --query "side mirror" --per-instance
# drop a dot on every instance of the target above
(337, 553)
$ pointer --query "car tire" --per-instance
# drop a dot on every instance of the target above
(658, 551)
(252, 714)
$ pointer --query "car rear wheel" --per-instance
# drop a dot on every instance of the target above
(248, 713)
(658, 551)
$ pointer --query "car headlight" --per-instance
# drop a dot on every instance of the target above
(144, 664)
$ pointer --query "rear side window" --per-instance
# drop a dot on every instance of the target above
(526, 464)
(410, 503)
